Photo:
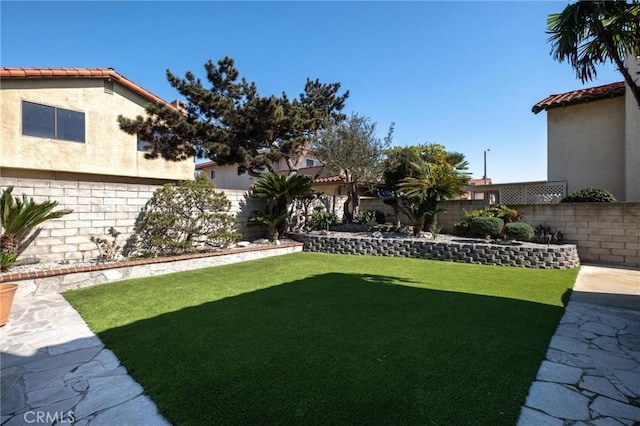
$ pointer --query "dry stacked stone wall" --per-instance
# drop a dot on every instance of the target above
(522, 255)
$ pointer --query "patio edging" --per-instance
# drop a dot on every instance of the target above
(63, 279)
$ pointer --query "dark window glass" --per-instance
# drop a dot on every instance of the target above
(310, 163)
(213, 174)
(70, 125)
(143, 146)
(241, 171)
(50, 122)
(38, 120)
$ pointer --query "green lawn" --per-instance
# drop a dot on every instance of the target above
(326, 339)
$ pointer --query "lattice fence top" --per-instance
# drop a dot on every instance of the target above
(539, 193)
(545, 194)
(512, 195)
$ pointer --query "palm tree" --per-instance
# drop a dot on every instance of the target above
(19, 216)
(280, 190)
(589, 33)
(419, 197)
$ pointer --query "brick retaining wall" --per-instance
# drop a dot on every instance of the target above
(467, 251)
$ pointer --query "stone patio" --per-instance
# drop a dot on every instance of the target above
(591, 375)
(55, 370)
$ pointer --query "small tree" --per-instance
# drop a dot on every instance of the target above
(184, 217)
(436, 176)
(353, 150)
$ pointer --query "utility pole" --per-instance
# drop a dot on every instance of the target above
(485, 166)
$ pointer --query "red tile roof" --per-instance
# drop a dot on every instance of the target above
(580, 96)
(201, 166)
(28, 73)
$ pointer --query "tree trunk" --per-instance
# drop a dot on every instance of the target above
(8, 243)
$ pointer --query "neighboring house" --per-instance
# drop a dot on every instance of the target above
(61, 140)
(593, 138)
(231, 176)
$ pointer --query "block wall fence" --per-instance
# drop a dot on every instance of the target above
(605, 233)
(97, 206)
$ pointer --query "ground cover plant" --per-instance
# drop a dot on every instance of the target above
(314, 338)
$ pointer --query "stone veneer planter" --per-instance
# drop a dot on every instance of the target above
(63, 279)
(527, 255)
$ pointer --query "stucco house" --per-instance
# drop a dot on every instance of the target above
(230, 176)
(593, 138)
(61, 141)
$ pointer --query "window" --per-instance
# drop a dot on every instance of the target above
(142, 145)
(213, 174)
(50, 122)
(241, 171)
(311, 163)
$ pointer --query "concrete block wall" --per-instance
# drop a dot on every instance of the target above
(605, 233)
(97, 206)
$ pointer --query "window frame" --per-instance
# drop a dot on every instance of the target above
(57, 128)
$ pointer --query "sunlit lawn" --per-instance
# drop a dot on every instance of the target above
(327, 339)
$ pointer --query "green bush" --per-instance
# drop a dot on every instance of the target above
(184, 217)
(323, 220)
(590, 195)
(487, 227)
(500, 211)
(520, 231)
(545, 235)
(365, 216)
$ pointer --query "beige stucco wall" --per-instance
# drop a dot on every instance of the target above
(107, 150)
(226, 177)
(586, 145)
(632, 143)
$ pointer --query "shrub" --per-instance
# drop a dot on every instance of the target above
(487, 227)
(184, 217)
(545, 235)
(365, 216)
(590, 195)
(323, 220)
(500, 211)
(518, 231)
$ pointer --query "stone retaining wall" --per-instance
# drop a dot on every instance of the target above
(467, 251)
(69, 278)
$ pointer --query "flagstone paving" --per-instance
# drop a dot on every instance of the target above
(591, 375)
(55, 370)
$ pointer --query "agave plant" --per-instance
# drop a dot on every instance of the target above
(18, 217)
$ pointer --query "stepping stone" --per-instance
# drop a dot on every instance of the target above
(598, 328)
(529, 417)
(601, 386)
(559, 373)
(608, 407)
(558, 401)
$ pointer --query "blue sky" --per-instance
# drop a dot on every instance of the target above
(462, 74)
